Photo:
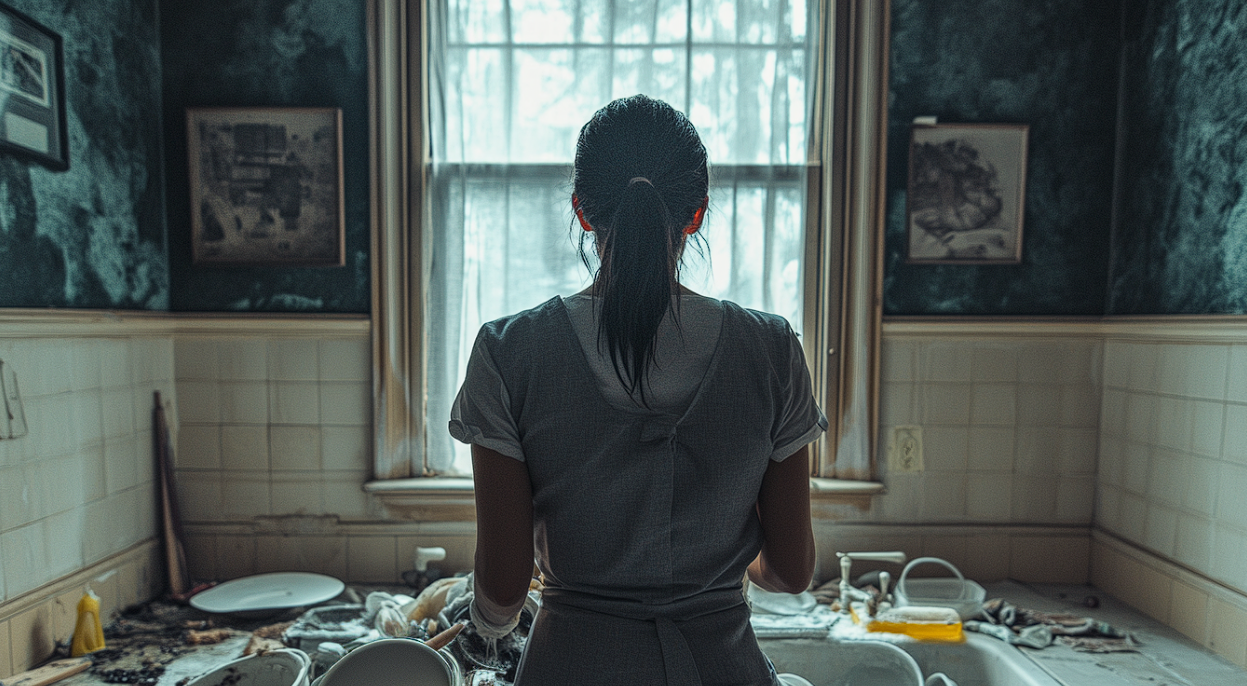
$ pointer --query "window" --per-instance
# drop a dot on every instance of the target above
(472, 194)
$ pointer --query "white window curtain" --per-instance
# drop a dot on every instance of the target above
(511, 83)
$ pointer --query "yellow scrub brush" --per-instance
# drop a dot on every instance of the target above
(924, 623)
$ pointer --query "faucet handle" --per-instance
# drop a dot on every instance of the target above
(893, 556)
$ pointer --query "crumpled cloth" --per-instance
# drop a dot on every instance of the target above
(816, 623)
(1035, 629)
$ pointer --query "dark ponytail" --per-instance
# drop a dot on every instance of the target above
(640, 178)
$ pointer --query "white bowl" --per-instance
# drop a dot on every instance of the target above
(393, 662)
(284, 667)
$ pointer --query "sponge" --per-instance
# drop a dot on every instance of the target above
(924, 623)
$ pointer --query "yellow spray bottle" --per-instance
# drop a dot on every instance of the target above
(88, 633)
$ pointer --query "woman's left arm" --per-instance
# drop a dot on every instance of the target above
(503, 568)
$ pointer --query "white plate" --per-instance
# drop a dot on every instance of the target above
(275, 591)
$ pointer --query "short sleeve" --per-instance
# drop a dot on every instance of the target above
(801, 421)
(481, 412)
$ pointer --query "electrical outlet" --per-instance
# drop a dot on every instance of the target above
(905, 450)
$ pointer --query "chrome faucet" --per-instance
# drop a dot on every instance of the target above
(848, 593)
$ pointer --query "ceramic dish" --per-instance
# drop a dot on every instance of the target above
(273, 668)
(393, 662)
(268, 592)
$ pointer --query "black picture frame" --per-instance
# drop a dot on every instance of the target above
(32, 91)
(266, 186)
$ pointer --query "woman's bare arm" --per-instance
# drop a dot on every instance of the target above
(504, 532)
(786, 563)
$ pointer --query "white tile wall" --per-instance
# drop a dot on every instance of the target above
(277, 426)
(1009, 429)
(1173, 462)
(79, 486)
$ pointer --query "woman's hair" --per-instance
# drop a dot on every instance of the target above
(640, 177)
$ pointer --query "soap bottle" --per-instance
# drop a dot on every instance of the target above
(88, 633)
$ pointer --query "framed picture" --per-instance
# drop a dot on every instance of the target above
(967, 188)
(266, 186)
(32, 91)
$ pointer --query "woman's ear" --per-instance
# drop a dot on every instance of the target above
(580, 214)
(698, 216)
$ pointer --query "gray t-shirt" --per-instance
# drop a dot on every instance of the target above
(683, 351)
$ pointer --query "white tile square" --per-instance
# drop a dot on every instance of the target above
(345, 403)
(24, 558)
(1172, 367)
(1140, 417)
(199, 495)
(1080, 405)
(1110, 464)
(1038, 450)
(903, 499)
(199, 401)
(994, 404)
(1235, 441)
(1207, 423)
(344, 495)
(1205, 373)
(896, 404)
(91, 465)
(346, 448)
(244, 496)
(293, 359)
(1236, 378)
(994, 363)
(63, 550)
(121, 470)
(946, 403)
(86, 417)
(294, 402)
(1076, 451)
(1160, 529)
(114, 363)
(1173, 422)
(1229, 555)
(1116, 364)
(1136, 466)
(1113, 412)
(1039, 404)
(198, 447)
(1193, 547)
(346, 359)
(301, 493)
(244, 402)
(991, 448)
(243, 360)
(1075, 499)
(1034, 498)
(1133, 517)
(1041, 362)
(1188, 613)
(372, 559)
(989, 497)
(1166, 482)
(245, 448)
(117, 412)
(1232, 495)
(195, 359)
(1144, 376)
(944, 448)
(1108, 507)
(1228, 630)
(898, 361)
(1199, 493)
(949, 361)
(84, 357)
(295, 447)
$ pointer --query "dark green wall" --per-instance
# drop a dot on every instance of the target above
(1180, 246)
(1052, 65)
(272, 53)
(92, 236)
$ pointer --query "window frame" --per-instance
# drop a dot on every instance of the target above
(843, 275)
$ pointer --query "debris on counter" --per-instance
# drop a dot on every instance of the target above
(207, 636)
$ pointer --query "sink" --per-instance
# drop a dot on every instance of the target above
(979, 661)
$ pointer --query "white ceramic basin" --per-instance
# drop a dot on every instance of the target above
(980, 661)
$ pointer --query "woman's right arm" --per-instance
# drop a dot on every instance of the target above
(786, 563)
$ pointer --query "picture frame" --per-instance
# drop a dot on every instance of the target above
(32, 91)
(266, 186)
(966, 193)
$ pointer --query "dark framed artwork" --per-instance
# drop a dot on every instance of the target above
(266, 186)
(966, 194)
(32, 91)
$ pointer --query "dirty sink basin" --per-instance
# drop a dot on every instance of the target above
(980, 661)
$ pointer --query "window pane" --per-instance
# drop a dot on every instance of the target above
(514, 82)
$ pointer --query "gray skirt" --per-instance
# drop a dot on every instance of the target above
(572, 645)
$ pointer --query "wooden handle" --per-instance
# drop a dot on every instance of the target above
(444, 638)
(49, 673)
